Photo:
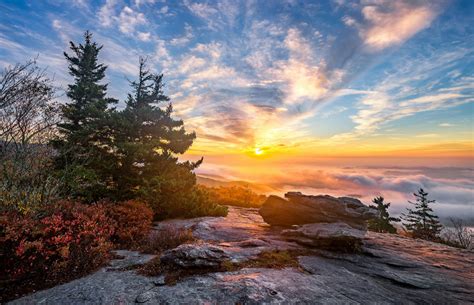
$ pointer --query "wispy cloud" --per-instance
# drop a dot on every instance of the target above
(446, 125)
(218, 16)
(393, 98)
(140, 2)
(305, 77)
(182, 40)
(386, 23)
(274, 70)
(106, 13)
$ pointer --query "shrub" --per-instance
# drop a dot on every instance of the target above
(458, 235)
(172, 202)
(235, 195)
(26, 179)
(28, 115)
(133, 221)
(68, 240)
(168, 237)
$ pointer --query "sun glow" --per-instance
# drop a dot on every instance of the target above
(258, 151)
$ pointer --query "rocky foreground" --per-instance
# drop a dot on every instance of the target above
(385, 269)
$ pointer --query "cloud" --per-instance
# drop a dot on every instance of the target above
(7, 44)
(253, 110)
(454, 196)
(118, 57)
(164, 9)
(202, 10)
(213, 49)
(184, 105)
(190, 63)
(130, 19)
(276, 67)
(334, 111)
(230, 9)
(80, 3)
(349, 21)
(187, 36)
(388, 23)
(431, 99)
(140, 2)
(304, 77)
(224, 13)
(427, 135)
(213, 72)
(393, 98)
(144, 36)
(107, 13)
(264, 40)
(446, 125)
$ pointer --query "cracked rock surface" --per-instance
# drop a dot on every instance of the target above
(390, 269)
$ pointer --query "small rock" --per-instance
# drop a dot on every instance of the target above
(195, 256)
(127, 259)
(159, 281)
(145, 296)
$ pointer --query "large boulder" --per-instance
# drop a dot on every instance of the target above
(195, 256)
(299, 209)
(336, 236)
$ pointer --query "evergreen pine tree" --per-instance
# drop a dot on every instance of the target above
(382, 223)
(421, 221)
(85, 143)
(149, 141)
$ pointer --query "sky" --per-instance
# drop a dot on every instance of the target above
(340, 96)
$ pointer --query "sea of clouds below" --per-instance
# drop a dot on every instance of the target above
(451, 187)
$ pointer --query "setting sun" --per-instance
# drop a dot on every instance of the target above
(258, 151)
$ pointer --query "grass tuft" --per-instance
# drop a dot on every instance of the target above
(277, 259)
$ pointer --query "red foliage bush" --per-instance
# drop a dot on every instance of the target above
(133, 221)
(64, 241)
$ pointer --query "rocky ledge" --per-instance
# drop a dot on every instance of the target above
(386, 269)
(302, 209)
(323, 221)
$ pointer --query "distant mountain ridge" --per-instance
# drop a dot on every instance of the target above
(217, 181)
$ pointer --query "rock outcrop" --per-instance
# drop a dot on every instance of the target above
(302, 209)
(194, 256)
(336, 236)
(390, 269)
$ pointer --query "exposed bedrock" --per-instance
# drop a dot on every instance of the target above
(299, 209)
(336, 236)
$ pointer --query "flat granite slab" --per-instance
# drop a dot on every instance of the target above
(390, 270)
